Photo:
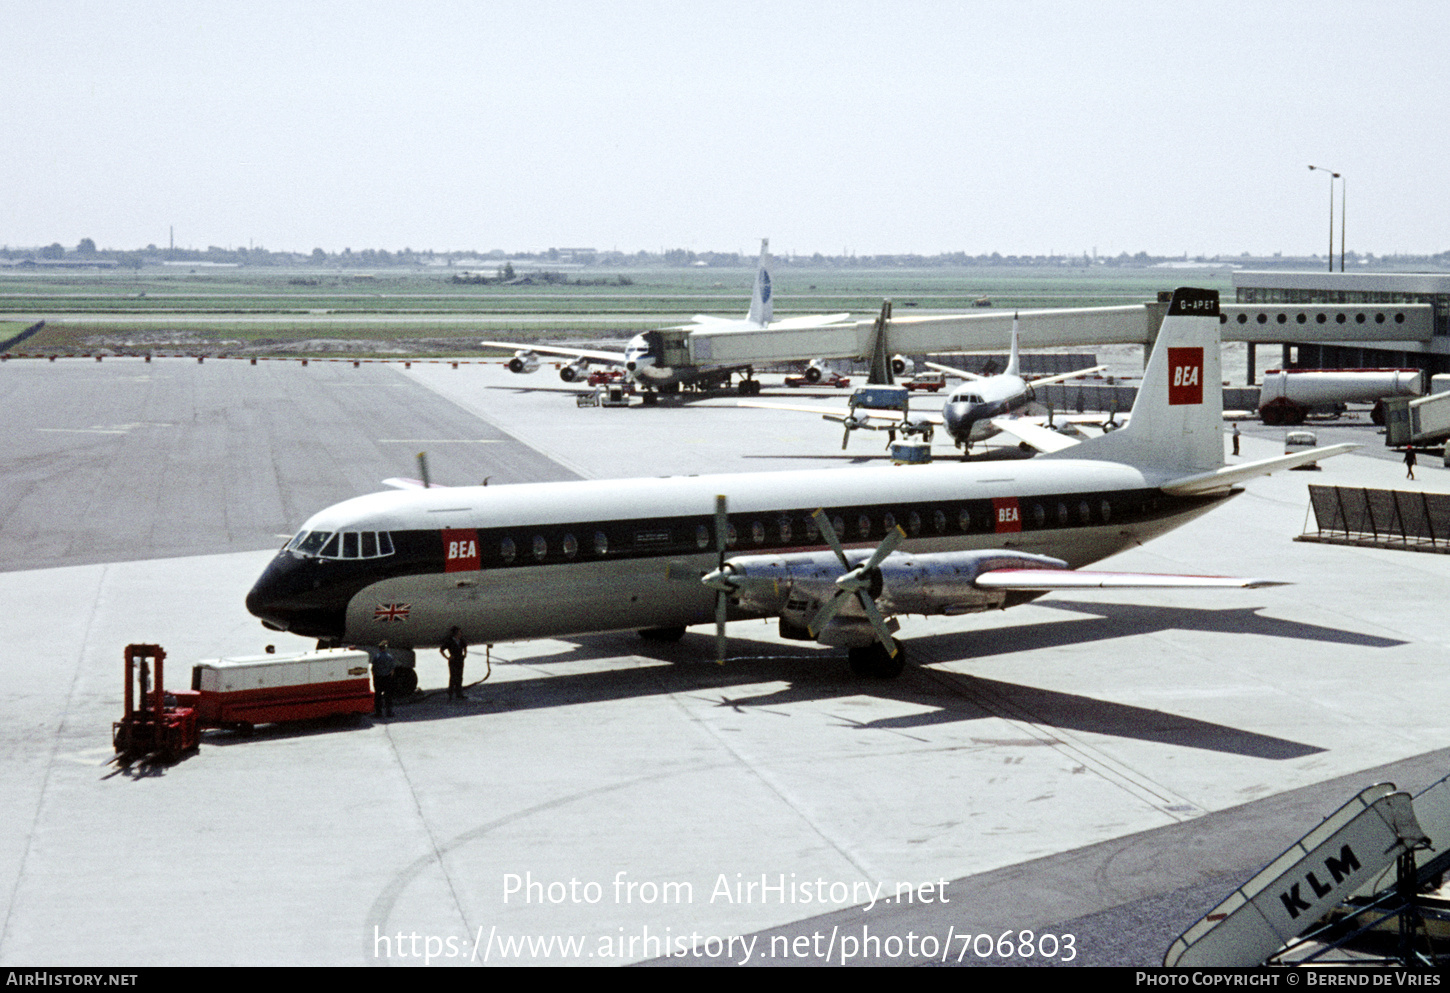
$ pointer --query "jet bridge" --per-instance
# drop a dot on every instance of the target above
(1386, 325)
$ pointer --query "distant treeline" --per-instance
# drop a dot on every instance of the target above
(86, 253)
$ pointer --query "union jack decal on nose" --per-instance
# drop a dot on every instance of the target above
(392, 612)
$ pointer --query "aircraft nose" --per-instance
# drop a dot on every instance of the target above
(293, 594)
(270, 595)
(959, 415)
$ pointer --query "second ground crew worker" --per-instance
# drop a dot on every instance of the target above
(455, 649)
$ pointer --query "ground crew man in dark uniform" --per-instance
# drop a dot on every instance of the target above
(455, 649)
(1409, 463)
(383, 666)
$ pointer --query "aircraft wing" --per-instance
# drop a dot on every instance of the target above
(1043, 439)
(837, 414)
(1044, 381)
(614, 358)
(1070, 579)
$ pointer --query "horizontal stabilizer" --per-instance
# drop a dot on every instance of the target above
(1065, 376)
(952, 370)
(1070, 579)
(1221, 479)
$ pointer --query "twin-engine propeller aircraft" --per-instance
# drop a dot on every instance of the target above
(660, 360)
(834, 553)
(978, 409)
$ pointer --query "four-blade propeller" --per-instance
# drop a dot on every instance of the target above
(857, 582)
(862, 581)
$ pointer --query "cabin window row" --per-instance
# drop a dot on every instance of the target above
(786, 530)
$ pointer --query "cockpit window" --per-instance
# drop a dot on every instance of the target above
(342, 545)
(312, 542)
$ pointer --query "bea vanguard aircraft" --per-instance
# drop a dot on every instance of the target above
(833, 553)
(659, 360)
(980, 408)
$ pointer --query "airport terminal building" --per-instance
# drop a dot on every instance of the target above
(1404, 317)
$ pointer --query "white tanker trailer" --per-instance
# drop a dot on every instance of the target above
(1289, 395)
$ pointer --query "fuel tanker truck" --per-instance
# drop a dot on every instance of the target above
(1290, 395)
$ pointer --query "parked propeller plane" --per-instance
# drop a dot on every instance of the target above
(983, 406)
(835, 554)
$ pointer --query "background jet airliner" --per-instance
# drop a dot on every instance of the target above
(833, 553)
(660, 360)
(981, 407)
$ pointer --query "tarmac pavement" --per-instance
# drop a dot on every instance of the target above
(1105, 766)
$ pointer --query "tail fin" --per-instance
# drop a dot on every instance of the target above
(1177, 421)
(761, 308)
(1012, 364)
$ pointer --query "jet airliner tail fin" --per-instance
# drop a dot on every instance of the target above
(1177, 422)
(1012, 364)
(761, 307)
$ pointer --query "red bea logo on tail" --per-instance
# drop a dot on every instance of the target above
(1185, 376)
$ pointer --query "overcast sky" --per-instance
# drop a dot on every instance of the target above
(1023, 128)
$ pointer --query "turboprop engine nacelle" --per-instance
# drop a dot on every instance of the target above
(524, 361)
(796, 586)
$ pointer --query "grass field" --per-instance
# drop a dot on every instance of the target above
(424, 312)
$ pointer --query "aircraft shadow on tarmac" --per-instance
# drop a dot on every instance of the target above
(1114, 620)
(814, 676)
(817, 677)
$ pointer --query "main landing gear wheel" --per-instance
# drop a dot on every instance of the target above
(405, 681)
(873, 662)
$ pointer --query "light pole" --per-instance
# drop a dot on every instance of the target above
(1341, 223)
(1332, 177)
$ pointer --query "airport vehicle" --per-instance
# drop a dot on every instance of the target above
(660, 360)
(1299, 441)
(1288, 396)
(1418, 422)
(980, 408)
(832, 553)
(831, 379)
(245, 690)
(931, 382)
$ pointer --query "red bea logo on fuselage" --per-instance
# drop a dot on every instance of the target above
(1008, 514)
(1185, 376)
(460, 550)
